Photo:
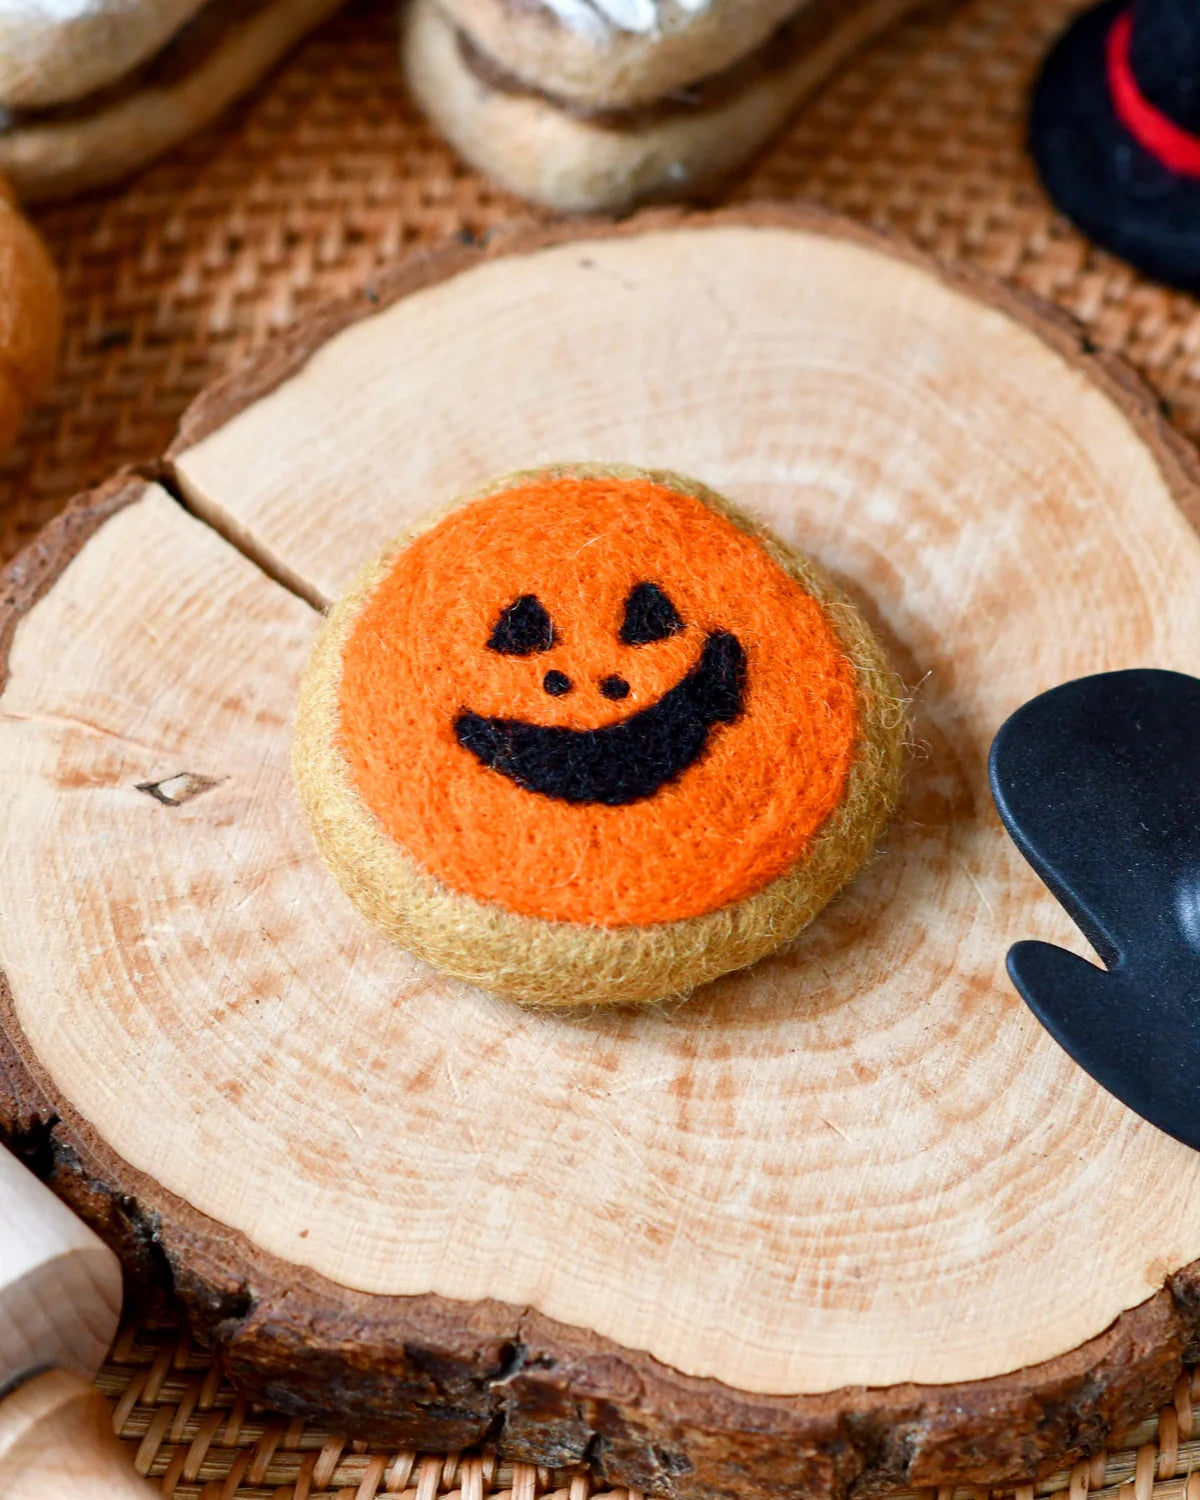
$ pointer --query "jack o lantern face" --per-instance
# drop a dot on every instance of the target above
(596, 700)
(622, 762)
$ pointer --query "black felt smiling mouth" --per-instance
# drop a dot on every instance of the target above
(622, 762)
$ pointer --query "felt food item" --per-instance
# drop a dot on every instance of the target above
(30, 316)
(1115, 133)
(92, 89)
(589, 105)
(592, 736)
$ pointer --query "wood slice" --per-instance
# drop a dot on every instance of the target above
(847, 1219)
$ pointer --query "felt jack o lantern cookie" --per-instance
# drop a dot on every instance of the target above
(592, 736)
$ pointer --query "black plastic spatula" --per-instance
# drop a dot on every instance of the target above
(1098, 782)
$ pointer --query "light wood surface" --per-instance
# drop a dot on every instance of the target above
(60, 1287)
(57, 1443)
(860, 1164)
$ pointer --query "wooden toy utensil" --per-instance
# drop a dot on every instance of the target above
(1098, 783)
(60, 1298)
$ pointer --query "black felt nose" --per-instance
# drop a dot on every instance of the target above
(615, 687)
(556, 684)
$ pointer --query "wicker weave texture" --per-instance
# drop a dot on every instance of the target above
(301, 193)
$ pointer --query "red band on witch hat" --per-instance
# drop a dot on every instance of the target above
(1177, 149)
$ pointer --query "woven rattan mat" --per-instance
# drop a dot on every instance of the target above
(300, 194)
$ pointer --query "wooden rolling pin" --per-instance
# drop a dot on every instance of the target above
(60, 1299)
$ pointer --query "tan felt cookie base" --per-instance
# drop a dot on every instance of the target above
(570, 164)
(564, 965)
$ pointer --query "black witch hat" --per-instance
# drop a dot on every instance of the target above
(1115, 132)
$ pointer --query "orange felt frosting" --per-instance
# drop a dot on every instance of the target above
(418, 658)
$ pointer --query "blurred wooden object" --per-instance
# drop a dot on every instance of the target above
(60, 1298)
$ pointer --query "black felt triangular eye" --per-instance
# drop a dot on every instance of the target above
(649, 616)
(523, 628)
